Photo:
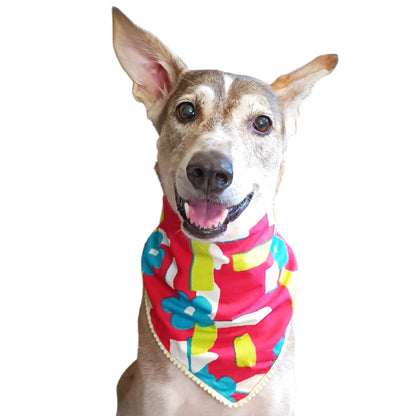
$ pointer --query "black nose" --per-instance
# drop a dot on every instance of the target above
(210, 172)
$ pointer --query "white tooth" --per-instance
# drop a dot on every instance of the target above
(186, 206)
(224, 216)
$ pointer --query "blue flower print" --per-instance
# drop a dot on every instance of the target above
(186, 313)
(226, 386)
(278, 347)
(279, 251)
(153, 254)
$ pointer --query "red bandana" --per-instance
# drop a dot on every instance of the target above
(219, 311)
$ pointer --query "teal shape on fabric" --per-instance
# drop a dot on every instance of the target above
(279, 251)
(226, 386)
(186, 313)
(278, 347)
(188, 352)
(153, 254)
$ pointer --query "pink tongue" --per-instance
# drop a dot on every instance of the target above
(206, 214)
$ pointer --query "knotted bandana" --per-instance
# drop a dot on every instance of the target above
(219, 311)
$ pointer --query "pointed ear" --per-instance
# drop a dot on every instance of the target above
(293, 88)
(153, 69)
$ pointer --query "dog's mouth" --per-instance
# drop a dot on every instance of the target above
(208, 219)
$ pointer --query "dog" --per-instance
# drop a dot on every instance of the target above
(215, 324)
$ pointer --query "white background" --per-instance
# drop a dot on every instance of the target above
(79, 195)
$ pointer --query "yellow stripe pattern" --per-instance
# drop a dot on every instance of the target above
(250, 259)
(202, 268)
(245, 351)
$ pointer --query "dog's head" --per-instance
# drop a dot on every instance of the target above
(221, 136)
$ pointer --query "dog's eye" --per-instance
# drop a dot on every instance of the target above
(185, 111)
(262, 124)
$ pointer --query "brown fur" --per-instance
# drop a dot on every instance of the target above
(323, 62)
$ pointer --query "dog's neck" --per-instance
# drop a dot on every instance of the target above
(219, 310)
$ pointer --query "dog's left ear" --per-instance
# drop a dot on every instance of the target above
(294, 87)
(153, 69)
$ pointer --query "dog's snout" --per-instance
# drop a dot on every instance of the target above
(210, 172)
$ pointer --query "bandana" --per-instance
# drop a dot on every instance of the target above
(219, 311)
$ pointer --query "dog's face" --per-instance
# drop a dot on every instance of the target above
(221, 136)
(219, 152)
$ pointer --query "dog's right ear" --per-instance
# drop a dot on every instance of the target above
(153, 69)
